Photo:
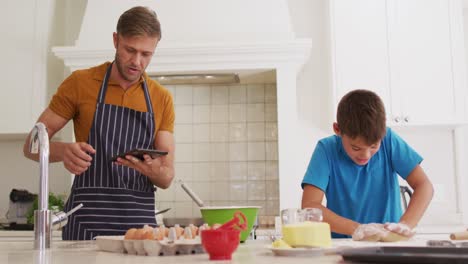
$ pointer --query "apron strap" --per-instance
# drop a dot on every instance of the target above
(103, 90)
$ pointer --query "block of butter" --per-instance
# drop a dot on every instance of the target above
(307, 234)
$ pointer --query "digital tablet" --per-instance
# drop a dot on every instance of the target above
(138, 153)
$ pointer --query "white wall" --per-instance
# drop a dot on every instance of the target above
(17, 171)
(314, 94)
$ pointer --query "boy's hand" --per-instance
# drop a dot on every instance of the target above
(400, 228)
(369, 232)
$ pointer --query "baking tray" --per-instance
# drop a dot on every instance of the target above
(423, 255)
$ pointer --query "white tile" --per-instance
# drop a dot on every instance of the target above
(238, 190)
(184, 152)
(271, 113)
(222, 203)
(183, 133)
(220, 191)
(238, 132)
(165, 195)
(183, 209)
(184, 95)
(184, 114)
(272, 207)
(238, 151)
(256, 151)
(219, 171)
(256, 190)
(255, 112)
(201, 152)
(271, 131)
(256, 131)
(203, 190)
(256, 170)
(219, 132)
(201, 94)
(219, 151)
(219, 113)
(201, 133)
(196, 212)
(238, 171)
(237, 94)
(201, 114)
(270, 93)
(201, 171)
(180, 194)
(271, 150)
(219, 94)
(272, 190)
(183, 171)
(237, 113)
(271, 172)
(255, 93)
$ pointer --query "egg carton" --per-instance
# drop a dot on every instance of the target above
(148, 247)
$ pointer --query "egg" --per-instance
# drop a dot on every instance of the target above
(178, 230)
(130, 234)
(139, 234)
(158, 234)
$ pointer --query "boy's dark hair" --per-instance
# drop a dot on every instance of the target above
(361, 113)
(139, 21)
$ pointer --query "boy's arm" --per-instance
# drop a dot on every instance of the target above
(422, 195)
(312, 197)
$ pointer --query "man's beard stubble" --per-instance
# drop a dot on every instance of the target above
(121, 70)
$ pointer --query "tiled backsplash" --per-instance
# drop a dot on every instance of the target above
(226, 148)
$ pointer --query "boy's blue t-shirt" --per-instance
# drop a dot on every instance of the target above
(363, 193)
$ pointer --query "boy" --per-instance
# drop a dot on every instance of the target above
(356, 170)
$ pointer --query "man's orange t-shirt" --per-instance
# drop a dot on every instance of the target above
(76, 99)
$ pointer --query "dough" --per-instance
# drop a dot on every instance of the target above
(390, 237)
(393, 237)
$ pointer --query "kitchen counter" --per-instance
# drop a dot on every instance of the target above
(252, 251)
(13, 235)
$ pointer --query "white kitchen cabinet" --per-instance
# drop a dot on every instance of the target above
(409, 52)
(24, 25)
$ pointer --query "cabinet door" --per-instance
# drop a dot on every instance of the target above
(24, 24)
(421, 66)
(360, 47)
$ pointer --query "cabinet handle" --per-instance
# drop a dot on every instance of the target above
(397, 119)
(406, 119)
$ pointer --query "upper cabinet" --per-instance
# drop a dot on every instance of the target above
(24, 25)
(409, 52)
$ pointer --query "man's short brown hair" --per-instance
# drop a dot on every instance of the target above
(361, 113)
(139, 21)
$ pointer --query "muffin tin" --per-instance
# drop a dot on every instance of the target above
(148, 247)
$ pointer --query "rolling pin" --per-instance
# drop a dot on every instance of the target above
(459, 235)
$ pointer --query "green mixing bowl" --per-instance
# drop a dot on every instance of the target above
(221, 214)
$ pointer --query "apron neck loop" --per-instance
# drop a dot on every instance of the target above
(103, 90)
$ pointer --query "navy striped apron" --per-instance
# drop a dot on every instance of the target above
(115, 198)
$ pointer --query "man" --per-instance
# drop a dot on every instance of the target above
(115, 108)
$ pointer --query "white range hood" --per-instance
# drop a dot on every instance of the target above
(213, 36)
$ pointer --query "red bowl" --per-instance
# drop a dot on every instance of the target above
(220, 244)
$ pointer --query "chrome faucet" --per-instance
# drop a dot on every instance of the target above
(44, 219)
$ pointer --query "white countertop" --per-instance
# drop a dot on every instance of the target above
(252, 251)
(13, 235)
